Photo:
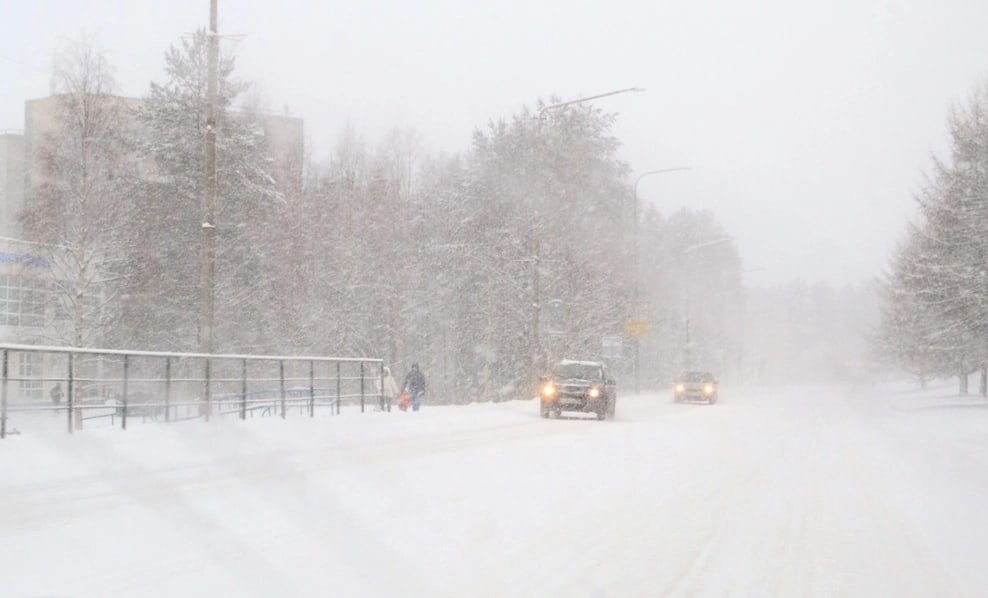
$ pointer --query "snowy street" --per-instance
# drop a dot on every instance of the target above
(232, 232)
(858, 491)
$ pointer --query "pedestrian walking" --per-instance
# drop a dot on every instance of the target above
(56, 394)
(415, 385)
(387, 389)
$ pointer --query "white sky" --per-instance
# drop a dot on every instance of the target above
(867, 491)
(807, 125)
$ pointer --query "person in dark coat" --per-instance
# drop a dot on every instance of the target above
(415, 385)
(56, 393)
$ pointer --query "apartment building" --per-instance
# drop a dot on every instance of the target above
(27, 311)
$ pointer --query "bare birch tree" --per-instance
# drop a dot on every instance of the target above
(77, 205)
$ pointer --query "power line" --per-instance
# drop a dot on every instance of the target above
(22, 63)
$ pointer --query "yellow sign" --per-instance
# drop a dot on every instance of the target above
(637, 328)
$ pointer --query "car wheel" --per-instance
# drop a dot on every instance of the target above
(543, 410)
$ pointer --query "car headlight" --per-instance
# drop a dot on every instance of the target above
(594, 392)
(680, 388)
(549, 391)
(708, 389)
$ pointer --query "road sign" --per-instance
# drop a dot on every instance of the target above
(637, 328)
(612, 347)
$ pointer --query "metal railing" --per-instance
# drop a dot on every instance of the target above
(115, 386)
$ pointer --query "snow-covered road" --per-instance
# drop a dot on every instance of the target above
(771, 492)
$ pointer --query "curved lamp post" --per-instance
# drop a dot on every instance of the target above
(651, 172)
(688, 292)
(536, 298)
(587, 99)
(693, 248)
(642, 325)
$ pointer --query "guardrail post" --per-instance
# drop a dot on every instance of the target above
(243, 390)
(337, 388)
(168, 388)
(207, 407)
(361, 386)
(384, 398)
(126, 373)
(70, 393)
(3, 398)
(281, 378)
(312, 388)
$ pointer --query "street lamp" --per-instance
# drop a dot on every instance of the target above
(636, 212)
(537, 352)
(651, 172)
(693, 248)
(640, 327)
(587, 99)
(688, 291)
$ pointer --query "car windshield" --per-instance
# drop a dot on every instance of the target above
(697, 377)
(584, 371)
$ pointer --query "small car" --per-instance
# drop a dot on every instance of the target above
(581, 386)
(695, 387)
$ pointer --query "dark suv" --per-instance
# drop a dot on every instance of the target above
(583, 386)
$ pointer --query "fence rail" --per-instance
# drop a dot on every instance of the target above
(114, 386)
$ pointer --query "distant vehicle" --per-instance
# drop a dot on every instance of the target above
(581, 386)
(695, 387)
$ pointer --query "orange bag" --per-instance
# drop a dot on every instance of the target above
(404, 401)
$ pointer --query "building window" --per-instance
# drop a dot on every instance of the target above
(29, 370)
(22, 301)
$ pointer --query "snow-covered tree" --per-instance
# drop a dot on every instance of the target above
(164, 301)
(79, 205)
(906, 333)
(800, 333)
(938, 281)
(692, 281)
(541, 208)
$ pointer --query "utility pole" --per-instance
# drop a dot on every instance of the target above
(208, 265)
(537, 356)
